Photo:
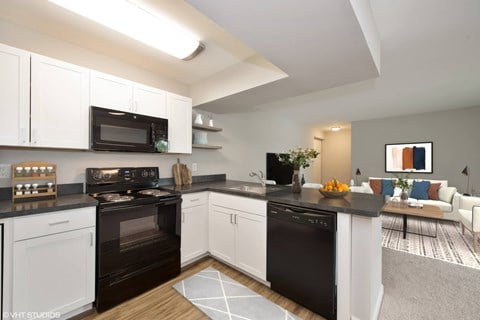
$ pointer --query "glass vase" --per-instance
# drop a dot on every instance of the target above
(296, 186)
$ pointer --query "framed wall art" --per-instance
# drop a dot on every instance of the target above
(416, 157)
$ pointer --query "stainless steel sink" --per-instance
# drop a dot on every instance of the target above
(255, 189)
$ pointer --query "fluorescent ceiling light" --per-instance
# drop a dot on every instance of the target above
(131, 20)
(336, 128)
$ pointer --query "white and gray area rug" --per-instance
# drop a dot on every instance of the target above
(450, 245)
(221, 297)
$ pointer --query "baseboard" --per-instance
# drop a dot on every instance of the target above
(190, 262)
(79, 313)
(378, 305)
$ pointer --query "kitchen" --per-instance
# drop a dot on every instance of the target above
(118, 61)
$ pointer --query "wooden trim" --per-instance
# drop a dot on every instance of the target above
(206, 128)
(205, 146)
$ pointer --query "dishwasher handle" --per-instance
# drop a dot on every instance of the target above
(315, 218)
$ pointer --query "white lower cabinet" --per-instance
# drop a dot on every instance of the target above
(238, 232)
(54, 271)
(6, 267)
(222, 233)
(194, 240)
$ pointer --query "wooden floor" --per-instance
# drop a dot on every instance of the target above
(165, 303)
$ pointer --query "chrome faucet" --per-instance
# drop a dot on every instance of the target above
(260, 177)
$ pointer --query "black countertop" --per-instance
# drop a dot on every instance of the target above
(9, 209)
(354, 203)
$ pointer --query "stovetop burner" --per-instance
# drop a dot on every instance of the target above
(116, 197)
(135, 185)
(154, 192)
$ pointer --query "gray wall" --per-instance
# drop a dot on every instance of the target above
(456, 142)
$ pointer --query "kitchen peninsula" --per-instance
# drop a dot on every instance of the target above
(358, 242)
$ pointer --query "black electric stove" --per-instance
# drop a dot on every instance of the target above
(138, 232)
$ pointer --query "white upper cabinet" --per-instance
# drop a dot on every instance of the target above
(110, 92)
(179, 123)
(149, 101)
(59, 104)
(45, 102)
(116, 93)
(14, 96)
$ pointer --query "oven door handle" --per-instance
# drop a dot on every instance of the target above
(119, 208)
(166, 203)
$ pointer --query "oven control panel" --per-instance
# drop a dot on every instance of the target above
(95, 176)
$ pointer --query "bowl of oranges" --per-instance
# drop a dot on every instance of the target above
(334, 189)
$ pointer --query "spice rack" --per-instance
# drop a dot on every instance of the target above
(34, 179)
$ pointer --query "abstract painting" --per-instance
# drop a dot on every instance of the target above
(409, 157)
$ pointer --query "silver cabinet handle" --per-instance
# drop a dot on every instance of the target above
(236, 216)
(23, 135)
(193, 200)
(58, 222)
(231, 218)
(34, 136)
(91, 239)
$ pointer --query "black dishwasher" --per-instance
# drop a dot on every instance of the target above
(301, 256)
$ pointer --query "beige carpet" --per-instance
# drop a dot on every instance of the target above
(450, 245)
(420, 288)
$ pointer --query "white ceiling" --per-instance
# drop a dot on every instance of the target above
(223, 50)
(429, 54)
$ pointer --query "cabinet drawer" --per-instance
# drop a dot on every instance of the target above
(194, 199)
(244, 204)
(50, 223)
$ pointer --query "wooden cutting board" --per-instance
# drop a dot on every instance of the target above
(177, 173)
(181, 174)
(186, 175)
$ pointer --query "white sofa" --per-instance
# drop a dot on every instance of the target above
(449, 197)
(469, 214)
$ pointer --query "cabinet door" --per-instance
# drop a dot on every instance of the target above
(222, 233)
(194, 232)
(14, 96)
(150, 101)
(179, 123)
(59, 105)
(107, 91)
(251, 244)
(55, 273)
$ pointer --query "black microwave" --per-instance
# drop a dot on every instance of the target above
(114, 130)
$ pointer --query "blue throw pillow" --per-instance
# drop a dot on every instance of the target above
(387, 187)
(420, 190)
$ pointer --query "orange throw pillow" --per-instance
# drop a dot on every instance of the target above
(376, 185)
(433, 191)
